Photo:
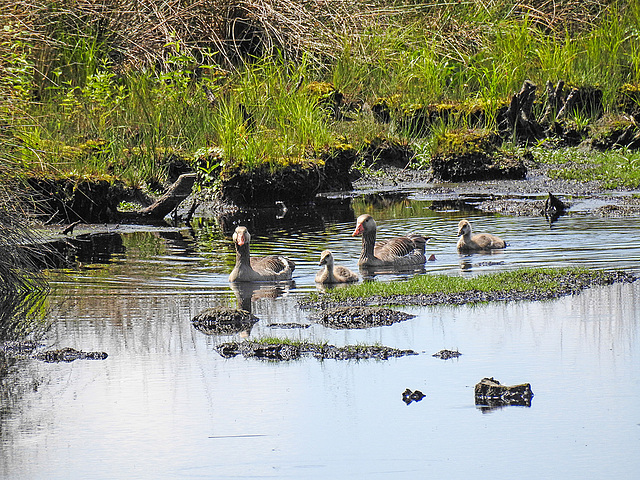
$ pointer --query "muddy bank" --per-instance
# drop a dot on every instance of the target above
(525, 197)
(463, 160)
(571, 285)
(277, 201)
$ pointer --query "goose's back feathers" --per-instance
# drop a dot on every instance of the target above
(400, 246)
(398, 251)
(272, 264)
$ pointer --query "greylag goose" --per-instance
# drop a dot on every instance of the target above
(394, 252)
(249, 269)
(480, 241)
(332, 273)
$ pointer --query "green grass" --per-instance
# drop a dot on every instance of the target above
(87, 117)
(543, 280)
(617, 168)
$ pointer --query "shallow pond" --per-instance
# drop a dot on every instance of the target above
(166, 405)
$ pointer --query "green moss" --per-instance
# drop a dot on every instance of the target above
(320, 89)
(465, 142)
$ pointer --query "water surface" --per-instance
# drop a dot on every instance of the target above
(165, 405)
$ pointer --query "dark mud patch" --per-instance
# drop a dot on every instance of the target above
(514, 207)
(223, 321)
(628, 207)
(478, 166)
(68, 355)
(447, 354)
(287, 351)
(551, 206)
(360, 317)
(293, 184)
(68, 200)
(288, 325)
(570, 284)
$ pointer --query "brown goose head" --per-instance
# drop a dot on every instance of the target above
(364, 224)
(326, 258)
(241, 236)
(464, 228)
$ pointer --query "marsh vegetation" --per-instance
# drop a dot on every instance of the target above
(101, 92)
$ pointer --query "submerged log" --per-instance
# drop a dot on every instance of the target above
(489, 392)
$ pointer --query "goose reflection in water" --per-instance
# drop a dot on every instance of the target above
(248, 292)
(466, 263)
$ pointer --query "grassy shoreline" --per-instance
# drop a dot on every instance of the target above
(522, 284)
(81, 102)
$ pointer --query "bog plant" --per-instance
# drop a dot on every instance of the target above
(82, 75)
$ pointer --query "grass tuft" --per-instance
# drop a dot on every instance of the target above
(527, 280)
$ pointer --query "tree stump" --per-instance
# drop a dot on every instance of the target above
(519, 118)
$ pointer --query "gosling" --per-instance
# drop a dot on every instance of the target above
(333, 273)
(480, 241)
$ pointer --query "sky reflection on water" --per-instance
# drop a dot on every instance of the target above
(166, 405)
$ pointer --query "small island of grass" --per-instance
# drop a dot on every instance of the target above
(522, 284)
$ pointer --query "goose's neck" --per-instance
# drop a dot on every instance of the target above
(368, 243)
(328, 268)
(243, 257)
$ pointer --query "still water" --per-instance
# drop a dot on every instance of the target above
(166, 405)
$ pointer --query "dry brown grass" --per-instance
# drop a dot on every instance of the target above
(145, 32)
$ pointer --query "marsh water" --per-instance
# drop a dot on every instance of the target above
(166, 405)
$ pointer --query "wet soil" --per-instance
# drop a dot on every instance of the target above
(360, 317)
(524, 197)
(286, 351)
